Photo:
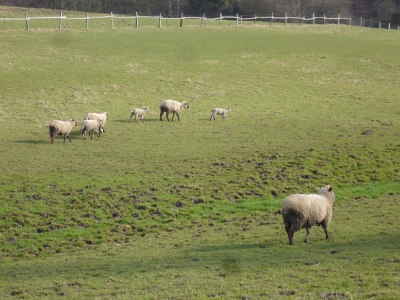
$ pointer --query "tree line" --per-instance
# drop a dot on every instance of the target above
(382, 10)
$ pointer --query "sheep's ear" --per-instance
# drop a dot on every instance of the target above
(330, 189)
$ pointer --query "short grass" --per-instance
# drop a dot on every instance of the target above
(311, 105)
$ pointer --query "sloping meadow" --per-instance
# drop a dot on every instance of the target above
(310, 106)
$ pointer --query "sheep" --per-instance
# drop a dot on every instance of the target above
(220, 111)
(94, 116)
(304, 211)
(90, 127)
(171, 106)
(57, 127)
(139, 112)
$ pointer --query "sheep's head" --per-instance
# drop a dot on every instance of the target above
(327, 191)
(73, 121)
(146, 108)
(185, 104)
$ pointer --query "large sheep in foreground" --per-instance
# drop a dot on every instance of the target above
(220, 111)
(138, 112)
(94, 116)
(174, 107)
(57, 127)
(89, 127)
(304, 211)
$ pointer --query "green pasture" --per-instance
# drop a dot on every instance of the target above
(189, 209)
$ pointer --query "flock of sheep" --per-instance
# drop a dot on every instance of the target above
(95, 122)
(92, 123)
(298, 210)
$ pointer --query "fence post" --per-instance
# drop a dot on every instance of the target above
(272, 17)
(241, 20)
(389, 26)
(338, 20)
(60, 25)
(237, 19)
(379, 25)
(324, 19)
(220, 19)
(137, 21)
(181, 23)
(159, 21)
(26, 21)
(87, 20)
(255, 19)
(112, 21)
(361, 23)
(4, 23)
(285, 19)
(203, 21)
(313, 18)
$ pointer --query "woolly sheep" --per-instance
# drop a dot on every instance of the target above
(220, 111)
(90, 127)
(304, 211)
(94, 116)
(57, 127)
(174, 107)
(138, 112)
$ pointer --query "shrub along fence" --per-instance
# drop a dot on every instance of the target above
(202, 21)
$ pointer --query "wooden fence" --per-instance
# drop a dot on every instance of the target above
(202, 20)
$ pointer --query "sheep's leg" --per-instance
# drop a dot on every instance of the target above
(326, 231)
(136, 118)
(166, 115)
(291, 237)
(173, 115)
(287, 228)
(161, 113)
(307, 234)
(178, 117)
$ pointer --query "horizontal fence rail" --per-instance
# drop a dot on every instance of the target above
(239, 20)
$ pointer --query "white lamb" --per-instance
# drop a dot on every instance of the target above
(220, 111)
(138, 112)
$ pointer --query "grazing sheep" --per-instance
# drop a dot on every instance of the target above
(220, 111)
(174, 107)
(138, 112)
(304, 211)
(57, 127)
(90, 127)
(94, 116)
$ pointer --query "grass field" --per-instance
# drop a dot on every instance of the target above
(188, 210)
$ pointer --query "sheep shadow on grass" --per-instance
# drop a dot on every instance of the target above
(35, 142)
(133, 120)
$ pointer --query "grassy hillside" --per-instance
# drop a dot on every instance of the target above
(310, 106)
